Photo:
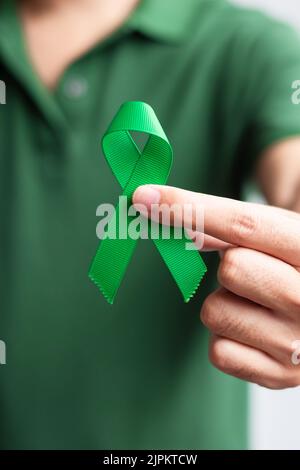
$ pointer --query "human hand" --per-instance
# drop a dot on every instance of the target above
(254, 317)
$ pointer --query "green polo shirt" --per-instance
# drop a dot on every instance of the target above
(82, 374)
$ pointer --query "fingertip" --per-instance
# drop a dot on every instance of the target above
(146, 195)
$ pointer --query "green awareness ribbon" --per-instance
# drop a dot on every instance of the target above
(134, 168)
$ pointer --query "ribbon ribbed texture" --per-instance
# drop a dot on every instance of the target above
(133, 168)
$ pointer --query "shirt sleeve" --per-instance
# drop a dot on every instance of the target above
(269, 74)
(277, 115)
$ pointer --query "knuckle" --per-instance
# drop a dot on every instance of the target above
(287, 379)
(293, 380)
(211, 312)
(277, 380)
(291, 299)
(272, 384)
(243, 226)
(219, 355)
(229, 267)
(283, 378)
(222, 359)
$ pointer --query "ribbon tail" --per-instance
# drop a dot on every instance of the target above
(111, 260)
(186, 266)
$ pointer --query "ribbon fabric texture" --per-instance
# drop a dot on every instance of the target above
(133, 168)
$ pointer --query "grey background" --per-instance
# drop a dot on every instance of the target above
(275, 415)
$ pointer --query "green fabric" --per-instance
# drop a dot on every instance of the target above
(133, 168)
(81, 373)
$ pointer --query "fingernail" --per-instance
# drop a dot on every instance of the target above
(146, 195)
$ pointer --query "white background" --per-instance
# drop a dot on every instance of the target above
(275, 415)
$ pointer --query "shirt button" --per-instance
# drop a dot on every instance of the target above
(75, 88)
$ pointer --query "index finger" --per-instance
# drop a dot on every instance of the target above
(255, 226)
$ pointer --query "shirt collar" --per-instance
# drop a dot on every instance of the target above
(166, 20)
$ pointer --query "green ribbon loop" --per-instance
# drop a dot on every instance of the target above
(133, 168)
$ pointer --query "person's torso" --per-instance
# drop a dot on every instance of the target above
(81, 373)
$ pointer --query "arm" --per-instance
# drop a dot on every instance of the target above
(278, 174)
